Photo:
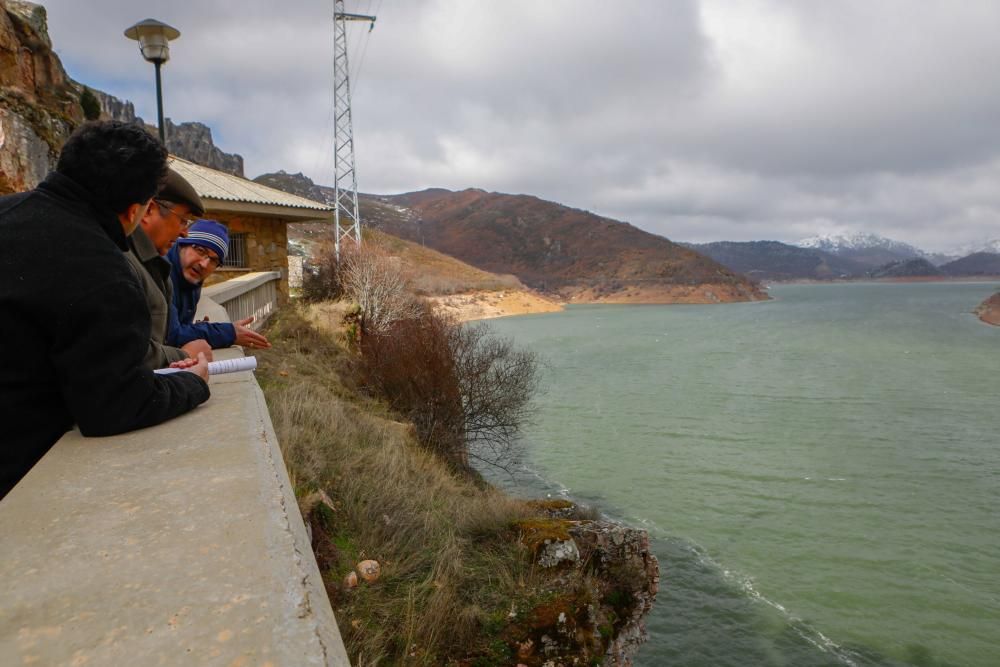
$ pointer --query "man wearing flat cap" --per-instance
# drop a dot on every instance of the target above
(194, 258)
(172, 210)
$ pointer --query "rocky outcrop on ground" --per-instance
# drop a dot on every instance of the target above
(605, 579)
(989, 311)
(39, 103)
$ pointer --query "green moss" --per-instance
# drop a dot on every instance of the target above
(535, 533)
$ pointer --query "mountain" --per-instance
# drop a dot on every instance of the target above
(871, 250)
(771, 260)
(563, 251)
(297, 184)
(907, 268)
(976, 264)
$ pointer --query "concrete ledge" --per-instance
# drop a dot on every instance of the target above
(234, 287)
(179, 544)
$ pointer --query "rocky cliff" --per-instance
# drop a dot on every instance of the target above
(40, 106)
(39, 103)
(193, 141)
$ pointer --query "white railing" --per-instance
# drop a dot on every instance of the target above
(250, 295)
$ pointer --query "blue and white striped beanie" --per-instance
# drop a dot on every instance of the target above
(208, 234)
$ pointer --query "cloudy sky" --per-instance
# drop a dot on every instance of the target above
(700, 120)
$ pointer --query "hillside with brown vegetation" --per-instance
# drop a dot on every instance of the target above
(467, 574)
(456, 288)
(569, 253)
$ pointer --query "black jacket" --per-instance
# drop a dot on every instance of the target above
(74, 328)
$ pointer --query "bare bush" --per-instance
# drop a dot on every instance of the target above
(496, 382)
(467, 392)
(321, 276)
(375, 281)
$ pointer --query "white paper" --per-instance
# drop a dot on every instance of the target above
(220, 367)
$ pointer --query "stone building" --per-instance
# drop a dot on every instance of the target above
(257, 217)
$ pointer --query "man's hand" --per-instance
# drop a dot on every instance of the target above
(248, 337)
(194, 347)
(199, 367)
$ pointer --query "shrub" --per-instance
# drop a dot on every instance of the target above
(467, 392)
(321, 276)
(91, 107)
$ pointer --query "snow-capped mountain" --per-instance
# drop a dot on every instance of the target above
(869, 249)
(992, 246)
(836, 243)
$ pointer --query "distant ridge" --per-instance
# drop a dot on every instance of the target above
(976, 264)
(772, 260)
(870, 250)
(908, 268)
(567, 253)
(574, 254)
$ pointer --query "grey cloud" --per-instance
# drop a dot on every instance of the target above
(695, 119)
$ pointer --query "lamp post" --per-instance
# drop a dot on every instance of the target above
(154, 37)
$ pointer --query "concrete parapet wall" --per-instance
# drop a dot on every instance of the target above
(178, 544)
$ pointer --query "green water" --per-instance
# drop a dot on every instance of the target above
(821, 473)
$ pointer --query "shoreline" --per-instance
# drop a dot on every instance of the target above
(988, 311)
(913, 279)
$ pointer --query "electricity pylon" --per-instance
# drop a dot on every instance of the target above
(347, 222)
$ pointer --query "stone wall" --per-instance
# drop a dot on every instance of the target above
(266, 247)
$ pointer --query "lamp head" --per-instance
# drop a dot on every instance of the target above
(153, 37)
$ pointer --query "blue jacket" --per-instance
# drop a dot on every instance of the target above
(182, 328)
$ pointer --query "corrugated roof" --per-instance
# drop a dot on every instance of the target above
(214, 184)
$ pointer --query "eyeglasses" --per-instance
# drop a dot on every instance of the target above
(205, 253)
(186, 220)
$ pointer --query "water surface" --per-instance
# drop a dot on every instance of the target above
(821, 472)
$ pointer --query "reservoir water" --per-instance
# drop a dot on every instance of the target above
(820, 473)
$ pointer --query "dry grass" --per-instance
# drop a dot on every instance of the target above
(451, 563)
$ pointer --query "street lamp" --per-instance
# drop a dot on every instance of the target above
(154, 37)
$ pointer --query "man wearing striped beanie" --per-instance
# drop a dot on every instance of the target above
(193, 259)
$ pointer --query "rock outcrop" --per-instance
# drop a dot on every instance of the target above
(604, 581)
(39, 103)
(297, 184)
(989, 311)
(193, 141)
(116, 109)
(40, 106)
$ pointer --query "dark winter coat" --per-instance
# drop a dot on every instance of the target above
(74, 329)
(183, 328)
(153, 273)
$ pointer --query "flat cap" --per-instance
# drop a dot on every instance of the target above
(177, 190)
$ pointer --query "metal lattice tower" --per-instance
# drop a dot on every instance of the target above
(347, 222)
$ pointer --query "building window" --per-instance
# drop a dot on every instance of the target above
(236, 256)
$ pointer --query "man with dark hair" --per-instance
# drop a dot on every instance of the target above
(193, 259)
(168, 217)
(73, 319)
